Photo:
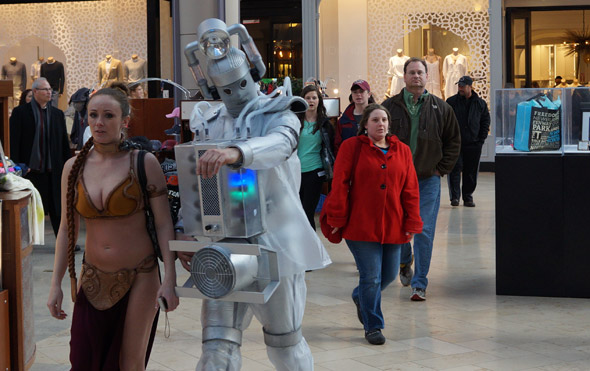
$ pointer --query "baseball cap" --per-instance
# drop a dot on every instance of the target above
(361, 84)
(168, 144)
(175, 113)
(465, 80)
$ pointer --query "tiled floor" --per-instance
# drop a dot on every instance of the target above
(462, 325)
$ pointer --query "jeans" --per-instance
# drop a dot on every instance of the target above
(423, 242)
(378, 265)
(468, 165)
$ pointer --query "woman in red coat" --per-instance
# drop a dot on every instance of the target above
(375, 200)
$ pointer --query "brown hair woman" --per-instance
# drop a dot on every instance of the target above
(116, 302)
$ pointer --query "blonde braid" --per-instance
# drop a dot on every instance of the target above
(70, 197)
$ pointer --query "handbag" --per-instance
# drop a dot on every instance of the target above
(149, 214)
(538, 124)
(326, 155)
(326, 228)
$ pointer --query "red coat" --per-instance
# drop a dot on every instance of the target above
(382, 201)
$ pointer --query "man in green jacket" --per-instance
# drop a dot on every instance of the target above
(428, 125)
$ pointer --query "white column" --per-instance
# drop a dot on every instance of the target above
(497, 65)
(352, 46)
(310, 34)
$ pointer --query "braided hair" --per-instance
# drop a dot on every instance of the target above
(70, 197)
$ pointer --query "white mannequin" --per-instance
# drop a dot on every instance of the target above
(36, 68)
(435, 77)
(396, 72)
(454, 66)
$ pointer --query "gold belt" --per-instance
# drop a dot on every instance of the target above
(105, 289)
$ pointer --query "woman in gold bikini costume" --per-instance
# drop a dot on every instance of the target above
(115, 310)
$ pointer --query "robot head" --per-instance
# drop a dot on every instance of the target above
(227, 67)
(233, 81)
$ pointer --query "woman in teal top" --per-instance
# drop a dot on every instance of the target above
(315, 150)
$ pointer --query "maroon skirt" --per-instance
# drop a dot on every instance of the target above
(97, 335)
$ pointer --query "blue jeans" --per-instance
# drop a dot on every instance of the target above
(378, 266)
(423, 242)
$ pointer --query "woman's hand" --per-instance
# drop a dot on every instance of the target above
(184, 256)
(409, 236)
(54, 303)
(185, 259)
(167, 292)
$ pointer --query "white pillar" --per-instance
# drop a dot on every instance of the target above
(310, 34)
(497, 65)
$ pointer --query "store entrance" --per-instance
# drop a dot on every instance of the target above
(547, 43)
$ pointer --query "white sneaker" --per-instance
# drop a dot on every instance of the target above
(418, 294)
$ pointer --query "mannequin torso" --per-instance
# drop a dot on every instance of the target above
(454, 66)
(435, 79)
(396, 71)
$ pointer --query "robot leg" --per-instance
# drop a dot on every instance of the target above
(223, 323)
(281, 319)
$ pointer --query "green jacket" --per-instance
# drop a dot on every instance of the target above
(439, 136)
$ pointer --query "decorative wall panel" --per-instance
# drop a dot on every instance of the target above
(390, 21)
(81, 33)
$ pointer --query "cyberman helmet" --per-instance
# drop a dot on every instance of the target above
(227, 67)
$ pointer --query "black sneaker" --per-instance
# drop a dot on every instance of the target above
(469, 203)
(358, 310)
(77, 248)
(375, 337)
(454, 202)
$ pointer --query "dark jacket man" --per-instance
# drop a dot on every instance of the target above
(473, 117)
(23, 129)
(428, 126)
(474, 121)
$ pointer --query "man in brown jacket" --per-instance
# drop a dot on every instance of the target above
(428, 125)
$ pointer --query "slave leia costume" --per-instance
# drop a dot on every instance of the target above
(265, 131)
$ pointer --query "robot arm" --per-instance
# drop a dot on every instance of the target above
(275, 147)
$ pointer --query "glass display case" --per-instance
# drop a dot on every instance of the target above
(542, 121)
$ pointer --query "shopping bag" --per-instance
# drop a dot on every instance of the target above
(538, 124)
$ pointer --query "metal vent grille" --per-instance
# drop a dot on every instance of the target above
(209, 194)
(213, 272)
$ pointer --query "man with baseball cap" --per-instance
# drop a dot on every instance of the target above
(347, 125)
(474, 121)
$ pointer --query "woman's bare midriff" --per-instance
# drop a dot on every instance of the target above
(117, 243)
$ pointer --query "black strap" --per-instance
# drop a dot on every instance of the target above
(141, 172)
(149, 214)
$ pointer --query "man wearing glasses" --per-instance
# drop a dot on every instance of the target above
(39, 144)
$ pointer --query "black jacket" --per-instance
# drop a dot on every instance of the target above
(439, 140)
(475, 129)
(22, 135)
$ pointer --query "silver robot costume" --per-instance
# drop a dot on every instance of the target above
(270, 131)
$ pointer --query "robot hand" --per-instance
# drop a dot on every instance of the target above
(214, 159)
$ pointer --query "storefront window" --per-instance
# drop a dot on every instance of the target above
(546, 44)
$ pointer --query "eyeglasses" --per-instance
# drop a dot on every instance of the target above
(44, 89)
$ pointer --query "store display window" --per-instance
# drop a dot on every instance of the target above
(542, 121)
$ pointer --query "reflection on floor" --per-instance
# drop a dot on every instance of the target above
(462, 325)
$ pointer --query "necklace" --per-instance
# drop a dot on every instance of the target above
(112, 147)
